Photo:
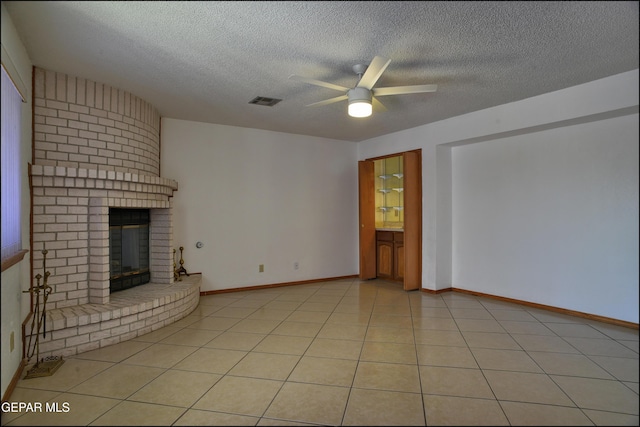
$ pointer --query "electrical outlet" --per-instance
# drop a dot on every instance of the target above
(295, 265)
(11, 342)
(261, 268)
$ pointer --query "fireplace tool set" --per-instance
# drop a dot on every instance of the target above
(46, 366)
(178, 272)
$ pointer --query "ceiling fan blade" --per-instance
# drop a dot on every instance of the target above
(377, 105)
(401, 90)
(319, 83)
(374, 71)
(328, 101)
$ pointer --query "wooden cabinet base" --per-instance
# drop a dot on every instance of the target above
(390, 255)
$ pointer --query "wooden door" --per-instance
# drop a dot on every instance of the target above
(367, 218)
(412, 220)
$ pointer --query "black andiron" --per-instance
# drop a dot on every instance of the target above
(178, 272)
(48, 365)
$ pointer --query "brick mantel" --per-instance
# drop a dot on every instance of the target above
(114, 185)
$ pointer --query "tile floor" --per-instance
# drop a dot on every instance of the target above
(350, 353)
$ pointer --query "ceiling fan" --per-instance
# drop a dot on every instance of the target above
(363, 96)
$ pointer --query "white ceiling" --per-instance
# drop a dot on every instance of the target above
(204, 61)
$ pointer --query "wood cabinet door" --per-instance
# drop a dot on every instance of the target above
(412, 220)
(385, 259)
(367, 217)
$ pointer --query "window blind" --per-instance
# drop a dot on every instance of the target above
(10, 162)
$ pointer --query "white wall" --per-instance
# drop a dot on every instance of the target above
(15, 304)
(562, 115)
(551, 217)
(259, 197)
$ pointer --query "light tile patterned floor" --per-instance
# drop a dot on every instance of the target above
(351, 353)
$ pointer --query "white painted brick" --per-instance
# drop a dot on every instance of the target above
(53, 139)
(54, 121)
(120, 330)
(64, 333)
(126, 320)
(57, 105)
(61, 87)
(68, 115)
(153, 321)
(68, 132)
(109, 324)
(66, 218)
(140, 327)
(55, 228)
(100, 335)
(43, 201)
(74, 124)
(78, 192)
(51, 346)
(67, 149)
(81, 141)
(80, 277)
(88, 328)
(39, 110)
(62, 271)
(80, 339)
(79, 109)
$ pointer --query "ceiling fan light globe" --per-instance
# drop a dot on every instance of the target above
(359, 102)
(360, 109)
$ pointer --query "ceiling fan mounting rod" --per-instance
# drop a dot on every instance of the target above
(359, 69)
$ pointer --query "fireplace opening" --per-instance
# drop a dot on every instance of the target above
(128, 248)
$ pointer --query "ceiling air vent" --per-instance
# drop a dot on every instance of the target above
(261, 100)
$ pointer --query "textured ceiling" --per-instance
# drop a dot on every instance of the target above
(204, 61)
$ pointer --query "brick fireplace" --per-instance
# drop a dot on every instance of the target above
(95, 147)
(71, 221)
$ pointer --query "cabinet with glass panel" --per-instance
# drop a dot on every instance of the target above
(389, 188)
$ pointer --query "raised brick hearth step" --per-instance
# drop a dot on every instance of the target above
(129, 314)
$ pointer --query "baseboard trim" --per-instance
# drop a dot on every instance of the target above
(541, 306)
(276, 285)
(14, 381)
(590, 316)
